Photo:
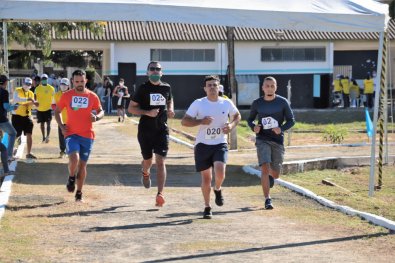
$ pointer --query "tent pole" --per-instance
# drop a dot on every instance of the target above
(375, 115)
(5, 46)
(232, 79)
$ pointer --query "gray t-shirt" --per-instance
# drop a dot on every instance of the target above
(271, 114)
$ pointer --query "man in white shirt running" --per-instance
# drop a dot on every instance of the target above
(211, 149)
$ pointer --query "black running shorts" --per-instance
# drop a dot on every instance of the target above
(22, 124)
(150, 143)
(206, 155)
(44, 116)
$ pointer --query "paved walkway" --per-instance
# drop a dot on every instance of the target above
(119, 222)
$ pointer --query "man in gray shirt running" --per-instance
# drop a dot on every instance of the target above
(274, 117)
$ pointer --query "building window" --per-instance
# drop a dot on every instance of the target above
(183, 55)
(293, 54)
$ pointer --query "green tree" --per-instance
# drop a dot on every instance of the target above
(392, 9)
(40, 34)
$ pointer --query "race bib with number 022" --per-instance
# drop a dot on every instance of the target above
(156, 99)
(78, 102)
(269, 123)
(213, 133)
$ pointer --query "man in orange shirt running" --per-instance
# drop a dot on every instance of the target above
(83, 108)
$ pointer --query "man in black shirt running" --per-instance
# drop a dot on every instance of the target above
(153, 101)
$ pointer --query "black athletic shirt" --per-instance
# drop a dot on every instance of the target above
(150, 96)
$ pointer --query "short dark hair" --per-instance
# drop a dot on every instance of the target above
(121, 79)
(211, 77)
(78, 72)
(152, 62)
(270, 78)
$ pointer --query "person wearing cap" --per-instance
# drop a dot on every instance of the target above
(83, 109)
(221, 92)
(45, 97)
(64, 86)
(22, 114)
(5, 124)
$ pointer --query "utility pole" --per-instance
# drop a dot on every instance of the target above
(232, 79)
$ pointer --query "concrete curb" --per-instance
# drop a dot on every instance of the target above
(374, 219)
(7, 184)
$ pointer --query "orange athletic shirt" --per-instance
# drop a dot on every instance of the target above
(79, 107)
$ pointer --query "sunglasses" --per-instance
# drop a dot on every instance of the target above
(155, 69)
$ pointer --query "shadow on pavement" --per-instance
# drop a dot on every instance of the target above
(42, 173)
(258, 249)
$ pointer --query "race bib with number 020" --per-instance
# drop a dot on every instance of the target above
(269, 123)
(78, 102)
(213, 133)
(156, 99)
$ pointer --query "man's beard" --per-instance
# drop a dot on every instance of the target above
(80, 88)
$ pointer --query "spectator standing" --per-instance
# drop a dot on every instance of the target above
(22, 115)
(64, 86)
(368, 91)
(211, 113)
(345, 82)
(121, 93)
(337, 91)
(354, 93)
(108, 86)
(5, 107)
(274, 117)
(153, 100)
(45, 98)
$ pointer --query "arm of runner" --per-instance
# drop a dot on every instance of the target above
(170, 109)
(189, 121)
(251, 119)
(99, 114)
(230, 126)
(134, 108)
(58, 118)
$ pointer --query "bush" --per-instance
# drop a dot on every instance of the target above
(334, 134)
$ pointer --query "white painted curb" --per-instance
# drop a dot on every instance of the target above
(374, 219)
(5, 190)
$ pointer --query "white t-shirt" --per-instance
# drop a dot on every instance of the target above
(219, 110)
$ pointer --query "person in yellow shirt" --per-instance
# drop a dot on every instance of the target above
(45, 97)
(337, 90)
(64, 86)
(354, 93)
(368, 90)
(345, 82)
(22, 114)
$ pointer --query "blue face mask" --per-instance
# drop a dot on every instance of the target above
(154, 78)
(44, 82)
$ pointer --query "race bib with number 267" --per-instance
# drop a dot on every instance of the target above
(156, 99)
(78, 102)
(269, 123)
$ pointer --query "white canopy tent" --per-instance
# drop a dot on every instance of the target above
(309, 15)
(315, 15)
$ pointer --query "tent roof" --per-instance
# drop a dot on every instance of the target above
(313, 15)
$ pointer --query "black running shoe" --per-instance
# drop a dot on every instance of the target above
(268, 204)
(207, 213)
(271, 181)
(219, 199)
(71, 184)
(78, 196)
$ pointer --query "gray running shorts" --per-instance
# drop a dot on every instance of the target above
(270, 152)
